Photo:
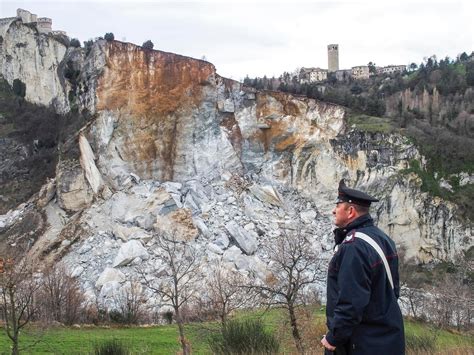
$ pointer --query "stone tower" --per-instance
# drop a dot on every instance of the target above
(333, 57)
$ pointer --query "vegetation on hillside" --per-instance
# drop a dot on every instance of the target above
(30, 135)
(36, 129)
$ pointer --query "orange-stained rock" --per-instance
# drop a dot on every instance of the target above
(150, 84)
(153, 93)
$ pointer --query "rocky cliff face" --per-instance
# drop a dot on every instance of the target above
(172, 145)
(36, 60)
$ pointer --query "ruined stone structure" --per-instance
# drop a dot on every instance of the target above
(333, 57)
(25, 16)
(43, 24)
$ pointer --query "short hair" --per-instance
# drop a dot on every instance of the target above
(360, 209)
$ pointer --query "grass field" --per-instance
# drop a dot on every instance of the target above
(164, 339)
(370, 123)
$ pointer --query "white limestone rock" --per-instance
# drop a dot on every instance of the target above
(85, 249)
(92, 174)
(222, 241)
(465, 179)
(109, 275)
(73, 191)
(173, 187)
(77, 271)
(126, 233)
(445, 185)
(246, 240)
(231, 254)
(202, 227)
(47, 192)
(214, 248)
(266, 194)
(35, 59)
(308, 216)
(258, 268)
(128, 252)
(108, 293)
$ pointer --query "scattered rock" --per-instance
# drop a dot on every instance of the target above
(308, 216)
(128, 252)
(246, 240)
(77, 271)
(215, 249)
(266, 194)
(179, 222)
(47, 192)
(109, 275)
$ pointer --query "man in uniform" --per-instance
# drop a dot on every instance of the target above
(363, 316)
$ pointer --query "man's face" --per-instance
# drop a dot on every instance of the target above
(342, 214)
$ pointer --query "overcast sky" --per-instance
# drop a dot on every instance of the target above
(269, 37)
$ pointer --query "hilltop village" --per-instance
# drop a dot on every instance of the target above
(360, 72)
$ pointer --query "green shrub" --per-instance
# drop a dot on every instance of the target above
(244, 337)
(19, 88)
(168, 316)
(111, 347)
(109, 36)
(148, 45)
(75, 43)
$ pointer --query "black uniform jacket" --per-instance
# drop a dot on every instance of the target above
(362, 310)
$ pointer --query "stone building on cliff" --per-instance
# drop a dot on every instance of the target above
(43, 24)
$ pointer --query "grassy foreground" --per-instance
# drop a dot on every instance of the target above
(164, 339)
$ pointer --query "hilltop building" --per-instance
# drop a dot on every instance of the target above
(43, 24)
(312, 75)
(391, 69)
(343, 74)
(333, 57)
(360, 72)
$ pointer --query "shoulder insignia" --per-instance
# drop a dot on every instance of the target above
(349, 238)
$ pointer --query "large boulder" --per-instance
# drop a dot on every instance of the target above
(109, 275)
(128, 252)
(179, 222)
(246, 240)
(73, 191)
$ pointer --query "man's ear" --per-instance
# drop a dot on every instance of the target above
(352, 212)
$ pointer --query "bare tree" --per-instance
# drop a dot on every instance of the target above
(18, 288)
(295, 266)
(412, 295)
(451, 303)
(446, 301)
(62, 298)
(227, 292)
(176, 284)
(130, 302)
(414, 299)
